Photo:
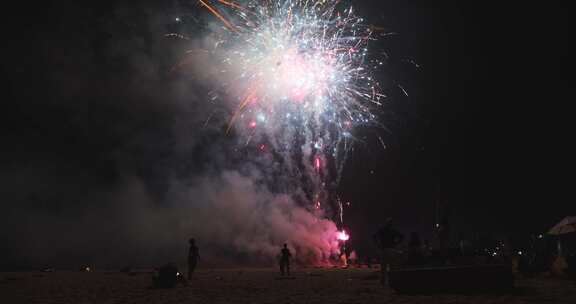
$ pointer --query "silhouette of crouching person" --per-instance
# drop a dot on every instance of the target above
(165, 276)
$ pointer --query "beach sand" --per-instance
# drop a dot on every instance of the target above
(250, 285)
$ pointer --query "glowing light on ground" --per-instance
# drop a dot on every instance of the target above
(343, 236)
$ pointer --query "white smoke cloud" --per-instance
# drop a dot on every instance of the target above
(236, 210)
(232, 210)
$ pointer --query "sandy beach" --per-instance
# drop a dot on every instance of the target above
(252, 286)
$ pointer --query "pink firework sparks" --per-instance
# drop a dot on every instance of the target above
(311, 53)
(342, 236)
(317, 163)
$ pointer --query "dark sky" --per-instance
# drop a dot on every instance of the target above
(485, 130)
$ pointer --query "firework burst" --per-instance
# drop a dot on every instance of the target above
(301, 59)
(301, 78)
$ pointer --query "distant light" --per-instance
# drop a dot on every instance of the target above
(177, 274)
(87, 268)
(177, 19)
(540, 236)
(520, 252)
(493, 253)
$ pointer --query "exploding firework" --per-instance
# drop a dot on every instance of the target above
(300, 60)
(301, 78)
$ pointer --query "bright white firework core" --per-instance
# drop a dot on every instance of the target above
(343, 236)
(300, 55)
(293, 76)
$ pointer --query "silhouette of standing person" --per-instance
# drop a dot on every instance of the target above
(386, 239)
(285, 257)
(193, 257)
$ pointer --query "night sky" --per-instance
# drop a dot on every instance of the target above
(484, 131)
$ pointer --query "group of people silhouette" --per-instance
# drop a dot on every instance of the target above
(387, 238)
(285, 258)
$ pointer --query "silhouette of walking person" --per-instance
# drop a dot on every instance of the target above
(285, 257)
(386, 239)
(193, 257)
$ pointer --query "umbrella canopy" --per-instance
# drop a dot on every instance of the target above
(567, 225)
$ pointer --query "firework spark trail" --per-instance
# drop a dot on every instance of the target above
(382, 143)
(215, 12)
(341, 211)
(302, 81)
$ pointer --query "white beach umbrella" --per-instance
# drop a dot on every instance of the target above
(567, 225)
